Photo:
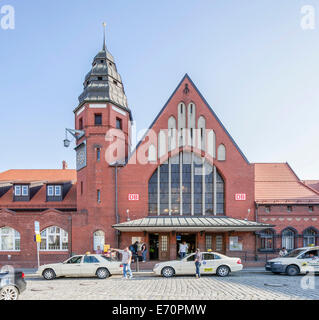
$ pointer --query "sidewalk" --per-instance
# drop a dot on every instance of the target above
(31, 273)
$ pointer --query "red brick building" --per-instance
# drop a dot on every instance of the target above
(187, 180)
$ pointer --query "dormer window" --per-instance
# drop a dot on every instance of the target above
(54, 192)
(100, 78)
(21, 192)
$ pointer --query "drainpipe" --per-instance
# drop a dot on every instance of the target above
(116, 207)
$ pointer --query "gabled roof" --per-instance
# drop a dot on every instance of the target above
(186, 76)
(278, 183)
(38, 175)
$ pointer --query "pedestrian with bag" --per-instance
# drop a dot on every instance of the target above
(198, 262)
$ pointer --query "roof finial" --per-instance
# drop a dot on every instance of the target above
(104, 41)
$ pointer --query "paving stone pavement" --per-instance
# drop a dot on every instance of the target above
(239, 286)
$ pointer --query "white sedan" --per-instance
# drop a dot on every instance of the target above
(212, 263)
(89, 265)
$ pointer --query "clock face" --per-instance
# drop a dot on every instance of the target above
(81, 157)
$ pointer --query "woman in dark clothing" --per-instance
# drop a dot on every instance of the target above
(198, 260)
(144, 251)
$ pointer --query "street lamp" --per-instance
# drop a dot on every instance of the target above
(77, 134)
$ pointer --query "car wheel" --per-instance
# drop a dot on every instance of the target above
(292, 270)
(9, 293)
(102, 273)
(48, 274)
(168, 272)
(223, 271)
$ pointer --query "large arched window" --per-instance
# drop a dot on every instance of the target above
(309, 237)
(186, 184)
(9, 239)
(288, 239)
(54, 239)
(98, 239)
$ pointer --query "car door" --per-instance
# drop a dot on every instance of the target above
(209, 263)
(72, 267)
(89, 266)
(187, 265)
(309, 261)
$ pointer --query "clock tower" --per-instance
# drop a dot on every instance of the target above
(101, 112)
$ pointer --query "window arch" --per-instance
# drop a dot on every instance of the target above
(54, 239)
(152, 153)
(201, 125)
(161, 144)
(181, 124)
(191, 121)
(186, 184)
(267, 239)
(98, 239)
(9, 239)
(211, 143)
(288, 239)
(309, 237)
(221, 153)
(171, 133)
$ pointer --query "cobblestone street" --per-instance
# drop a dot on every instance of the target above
(239, 286)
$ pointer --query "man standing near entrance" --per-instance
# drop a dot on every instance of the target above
(183, 248)
(126, 261)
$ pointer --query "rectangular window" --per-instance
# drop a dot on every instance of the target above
(17, 190)
(25, 191)
(289, 208)
(98, 154)
(98, 196)
(80, 124)
(219, 243)
(209, 242)
(119, 123)
(267, 209)
(81, 187)
(50, 191)
(57, 190)
(98, 119)
(310, 208)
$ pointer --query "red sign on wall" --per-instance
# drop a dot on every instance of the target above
(133, 197)
(240, 196)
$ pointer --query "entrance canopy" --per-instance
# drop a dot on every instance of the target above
(195, 224)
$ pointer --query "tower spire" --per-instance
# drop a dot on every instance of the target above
(104, 32)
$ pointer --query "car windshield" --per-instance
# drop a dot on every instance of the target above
(293, 253)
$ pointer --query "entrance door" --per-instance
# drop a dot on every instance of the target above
(164, 247)
(190, 239)
(153, 246)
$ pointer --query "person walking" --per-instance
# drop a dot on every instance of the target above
(144, 251)
(126, 261)
(183, 248)
(198, 262)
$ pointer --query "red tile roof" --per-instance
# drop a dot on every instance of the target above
(314, 184)
(50, 175)
(277, 183)
(38, 201)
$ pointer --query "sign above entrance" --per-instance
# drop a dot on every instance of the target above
(240, 196)
(133, 197)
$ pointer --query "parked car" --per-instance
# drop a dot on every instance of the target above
(298, 261)
(89, 265)
(11, 285)
(212, 263)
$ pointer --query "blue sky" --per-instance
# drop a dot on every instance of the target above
(251, 60)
